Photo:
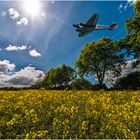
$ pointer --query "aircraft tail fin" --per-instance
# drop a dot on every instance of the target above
(113, 26)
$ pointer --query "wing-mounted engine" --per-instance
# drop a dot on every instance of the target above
(76, 25)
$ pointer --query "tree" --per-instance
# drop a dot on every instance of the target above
(131, 81)
(131, 43)
(57, 77)
(98, 57)
(133, 24)
(67, 75)
(81, 84)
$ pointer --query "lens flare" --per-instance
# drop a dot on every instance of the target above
(32, 7)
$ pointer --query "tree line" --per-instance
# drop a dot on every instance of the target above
(97, 58)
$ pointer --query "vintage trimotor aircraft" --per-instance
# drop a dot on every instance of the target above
(91, 25)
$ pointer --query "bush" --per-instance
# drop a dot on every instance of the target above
(131, 81)
(81, 84)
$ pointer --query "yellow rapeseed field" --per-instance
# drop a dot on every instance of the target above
(69, 114)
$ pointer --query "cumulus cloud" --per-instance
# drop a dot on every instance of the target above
(0, 49)
(126, 69)
(131, 2)
(16, 48)
(129, 67)
(26, 76)
(22, 78)
(15, 16)
(13, 13)
(23, 21)
(34, 53)
(6, 66)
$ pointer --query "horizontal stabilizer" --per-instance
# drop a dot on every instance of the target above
(113, 26)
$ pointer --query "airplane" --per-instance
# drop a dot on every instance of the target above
(91, 25)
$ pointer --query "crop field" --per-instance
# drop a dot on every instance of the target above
(69, 114)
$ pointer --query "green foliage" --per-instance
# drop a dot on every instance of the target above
(81, 84)
(132, 40)
(133, 24)
(57, 78)
(42, 114)
(131, 81)
(97, 58)
(137, 8)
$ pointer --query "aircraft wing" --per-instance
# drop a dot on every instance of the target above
(84, 32)
(93, 20)
(81, 34)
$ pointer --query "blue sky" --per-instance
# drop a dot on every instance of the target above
(34, 45)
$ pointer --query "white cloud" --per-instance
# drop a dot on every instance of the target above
(132, 2)
(0, 49)
(16, 48)
(126, 68)
(5, 66)
(23, 21)
(26, 76)
(22, 78)
(120, 6)
(34, 53)
(14, 14)
(125, 6)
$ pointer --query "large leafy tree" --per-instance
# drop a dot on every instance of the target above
(131, 43)
(97, 58)
(57, 77)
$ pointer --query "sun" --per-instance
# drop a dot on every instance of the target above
(32, 7)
